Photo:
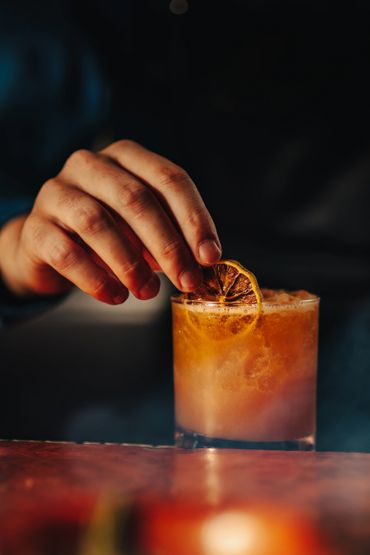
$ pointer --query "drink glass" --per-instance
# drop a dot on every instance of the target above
(242, 382)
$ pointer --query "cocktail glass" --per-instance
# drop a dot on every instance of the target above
(242, 381)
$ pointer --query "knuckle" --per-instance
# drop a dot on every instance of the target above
(195, 218)
(172, 249)
(62, 255)
(136, 199)
(48, 188)
(48, 185)
(90, 219)
(81, 156)
(131, 269)
(99, 286)
(123, 143)
(173, 177)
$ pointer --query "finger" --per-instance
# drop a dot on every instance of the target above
(177, 189)
(83, 215)
(134, 240)
(49, 244)
(134, 202)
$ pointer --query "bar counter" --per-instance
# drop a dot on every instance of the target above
(65, 498)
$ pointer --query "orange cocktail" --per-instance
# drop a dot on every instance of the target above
(243, 378)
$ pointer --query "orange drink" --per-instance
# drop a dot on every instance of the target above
(245, 374)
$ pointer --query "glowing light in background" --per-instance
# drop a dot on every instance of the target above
(231, 533)
(187, 528)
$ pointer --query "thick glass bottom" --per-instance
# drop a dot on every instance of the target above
(192, 440)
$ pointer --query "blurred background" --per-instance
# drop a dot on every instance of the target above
(266, 105)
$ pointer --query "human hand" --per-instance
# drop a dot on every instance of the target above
(105, 223)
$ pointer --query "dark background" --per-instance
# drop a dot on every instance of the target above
(266, 104)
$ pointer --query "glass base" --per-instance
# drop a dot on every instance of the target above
(191, 440)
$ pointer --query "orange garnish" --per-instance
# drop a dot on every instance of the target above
(228, 282)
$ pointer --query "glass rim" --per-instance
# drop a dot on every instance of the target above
(179, 299)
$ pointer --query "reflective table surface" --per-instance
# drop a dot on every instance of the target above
(65, 498)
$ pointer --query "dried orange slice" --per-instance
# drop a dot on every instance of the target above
(226, 282)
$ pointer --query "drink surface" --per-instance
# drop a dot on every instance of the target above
(242, 378)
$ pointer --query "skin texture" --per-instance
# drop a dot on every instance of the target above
(106, 223)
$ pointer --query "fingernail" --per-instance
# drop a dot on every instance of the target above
(188, 281)
(150, 289)
(209, 252)
(119, 299)
(118, 294)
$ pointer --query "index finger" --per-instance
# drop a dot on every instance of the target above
(177, 192)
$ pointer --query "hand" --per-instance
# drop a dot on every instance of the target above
(105, 223)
